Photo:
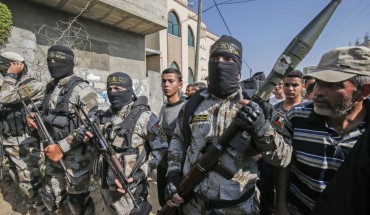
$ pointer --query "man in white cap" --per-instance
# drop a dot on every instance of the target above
(324, 131)
(20, 145)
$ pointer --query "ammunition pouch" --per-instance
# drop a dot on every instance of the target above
(60, 126)
(14, 123)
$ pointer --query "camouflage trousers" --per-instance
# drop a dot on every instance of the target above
(197, 206)
(26, 167)
(61, 184)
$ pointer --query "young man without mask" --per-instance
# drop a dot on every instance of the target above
(133, 131)
(222, 192)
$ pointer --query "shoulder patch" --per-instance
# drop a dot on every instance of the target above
(25, 90)
(279, 120)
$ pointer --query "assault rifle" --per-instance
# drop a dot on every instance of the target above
(41, 128)
(291, 57)
(106, 150)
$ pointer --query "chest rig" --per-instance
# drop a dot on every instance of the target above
(14, 116)
(128, 154)
(60, 122)
(124, 130)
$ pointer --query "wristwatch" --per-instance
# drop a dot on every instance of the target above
(13, 75)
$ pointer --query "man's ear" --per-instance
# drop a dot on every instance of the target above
(180, 86)
(366, 90)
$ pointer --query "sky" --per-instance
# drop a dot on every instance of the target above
(266, 27)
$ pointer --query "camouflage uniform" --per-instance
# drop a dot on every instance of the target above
(21, 147)
(144, 137)
(75, 181)
(209, 121)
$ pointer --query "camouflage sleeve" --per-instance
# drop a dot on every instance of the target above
(177, 148)
(157, 144)
(33, 89)
(85, 94)
(275, 146)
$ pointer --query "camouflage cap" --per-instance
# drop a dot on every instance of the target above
(343, 63)
(11, 56)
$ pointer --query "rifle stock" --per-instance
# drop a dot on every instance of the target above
(106, 150)
(289, 59)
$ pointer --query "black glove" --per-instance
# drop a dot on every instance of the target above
(267, 108)
(173, 181)
(81, 133)
(251, 119)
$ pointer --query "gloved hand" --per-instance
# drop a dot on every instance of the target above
(251, 119)
(267, 109)
(83, 135)
(173, 181)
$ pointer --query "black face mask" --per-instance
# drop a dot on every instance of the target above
(119, 99)
(60, 69)
(223, 78)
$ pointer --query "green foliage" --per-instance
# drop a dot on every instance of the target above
(5, 23)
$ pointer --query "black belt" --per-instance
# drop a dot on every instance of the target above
(218, 204)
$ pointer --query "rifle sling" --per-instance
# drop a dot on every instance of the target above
(222, 170)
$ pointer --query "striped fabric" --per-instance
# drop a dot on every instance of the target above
(318, 153)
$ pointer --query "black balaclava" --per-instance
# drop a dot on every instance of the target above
(223, 77)
(64, 64)
(120, 98)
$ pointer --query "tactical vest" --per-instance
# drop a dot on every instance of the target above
(60, 122)
(124, 131)
(126, 126)
(14, 116)
(189, 109)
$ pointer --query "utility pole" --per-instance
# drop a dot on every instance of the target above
(198, 41)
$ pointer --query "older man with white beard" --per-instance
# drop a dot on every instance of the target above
(324, 131)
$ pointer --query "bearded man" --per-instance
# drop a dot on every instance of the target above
(324, 131)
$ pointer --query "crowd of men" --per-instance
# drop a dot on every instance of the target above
(313, 133)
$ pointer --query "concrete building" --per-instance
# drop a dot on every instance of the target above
(366, 42)
(107, 36)
(175, 46)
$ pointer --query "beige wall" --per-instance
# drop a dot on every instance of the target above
(191, 58)
(175, 52)
(153, 63)
(152, 41)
